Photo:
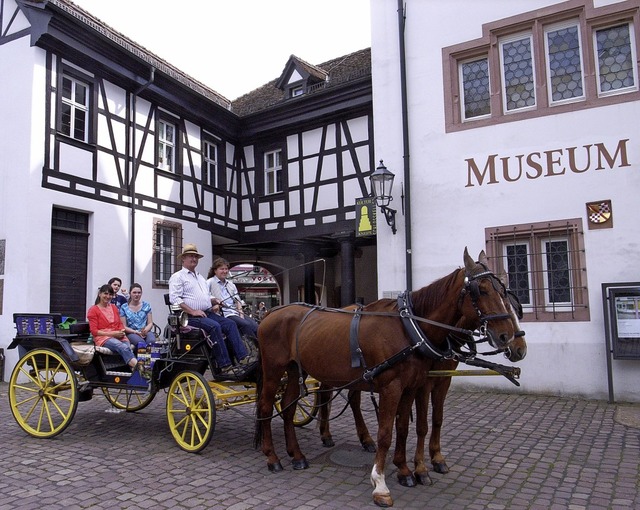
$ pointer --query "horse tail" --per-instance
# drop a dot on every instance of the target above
(257, 438)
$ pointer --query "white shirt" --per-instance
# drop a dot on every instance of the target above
(227, 293)
(189, 288)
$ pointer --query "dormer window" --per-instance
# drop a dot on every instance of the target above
(296, 91)
(298, 77)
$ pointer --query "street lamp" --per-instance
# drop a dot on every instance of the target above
(381, 185)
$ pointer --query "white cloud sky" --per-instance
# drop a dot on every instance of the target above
(234, 46)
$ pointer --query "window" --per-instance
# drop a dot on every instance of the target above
(273, 172)
(546, 268)
(475, 88)
(615, 59)
(210, 165)
(564, 63)
(166, 157)
(524, 68)
(166, 248)
(296, 91)
(518, 77)
(75, 98)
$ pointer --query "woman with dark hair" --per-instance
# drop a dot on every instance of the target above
(116, 285)
(136, 318)
(106, 327)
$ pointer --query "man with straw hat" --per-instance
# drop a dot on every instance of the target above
(189, 290)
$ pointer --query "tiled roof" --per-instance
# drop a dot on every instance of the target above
(139, 51)
(340, 70)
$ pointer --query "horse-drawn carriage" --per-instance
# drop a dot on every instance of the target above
(58, 368)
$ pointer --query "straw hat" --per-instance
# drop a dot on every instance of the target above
(190, 249)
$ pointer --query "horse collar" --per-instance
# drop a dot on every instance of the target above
(416, 336)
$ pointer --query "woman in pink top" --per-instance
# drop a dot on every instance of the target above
(106, 327)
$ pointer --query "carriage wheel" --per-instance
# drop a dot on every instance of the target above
(191, 411)
(43, 393)
(129, 399)
(306, 409)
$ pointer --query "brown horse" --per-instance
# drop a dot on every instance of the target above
(436, 390)
(393, 361)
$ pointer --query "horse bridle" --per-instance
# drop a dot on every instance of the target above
(472, 288)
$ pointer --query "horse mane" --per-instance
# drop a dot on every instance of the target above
(429, 297)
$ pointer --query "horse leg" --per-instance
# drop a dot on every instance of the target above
(405, 476)
(267, 389)
(288, 405)
(421, 472)
(389, 398)
(438, 396)
(367, 442)
(324, 400)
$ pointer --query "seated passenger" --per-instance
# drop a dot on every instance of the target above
(188, 289)
(226, 293)
(116, 285)
(137, 318)
(106, 327)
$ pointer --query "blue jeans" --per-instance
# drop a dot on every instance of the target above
(246, 325)
(136, 339)
(122, 348)
(215, 325)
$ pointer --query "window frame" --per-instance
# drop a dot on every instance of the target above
(277, 171)
(461, 91)
(573, 22)
(162, 121)
(581, 12)
(215, 179)
(534, 235)
(502, 41)
(164, 256)
(634, 60)
(88, 108)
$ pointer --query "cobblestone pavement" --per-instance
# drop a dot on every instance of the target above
(505, 451)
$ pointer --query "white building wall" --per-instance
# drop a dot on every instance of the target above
(564, 358)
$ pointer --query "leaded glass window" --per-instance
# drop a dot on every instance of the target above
(474, 80)
(564, 64)
(518, 74)
(616, 59)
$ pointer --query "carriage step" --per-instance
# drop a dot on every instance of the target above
(119, 374)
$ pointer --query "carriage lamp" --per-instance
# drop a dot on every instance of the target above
(381, 185)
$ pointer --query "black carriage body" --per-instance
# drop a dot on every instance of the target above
(181, 351)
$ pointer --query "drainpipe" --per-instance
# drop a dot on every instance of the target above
(405, 145)
(134, 175)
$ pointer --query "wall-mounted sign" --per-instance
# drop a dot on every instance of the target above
(365, 217)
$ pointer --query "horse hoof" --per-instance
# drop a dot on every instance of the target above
(383, 500)
(300, 464)
(423, 478)
(369, 447)
(441, 467)
(327, 442)
(276, 467)
(407, 480)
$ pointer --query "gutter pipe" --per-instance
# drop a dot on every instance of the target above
(405, 146)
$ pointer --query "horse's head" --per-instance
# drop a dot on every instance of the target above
(517, 349)
(482, 302)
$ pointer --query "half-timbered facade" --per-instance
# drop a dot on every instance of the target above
(518, 134)
(113, 158)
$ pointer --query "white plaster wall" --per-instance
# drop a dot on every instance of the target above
(564, 358)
